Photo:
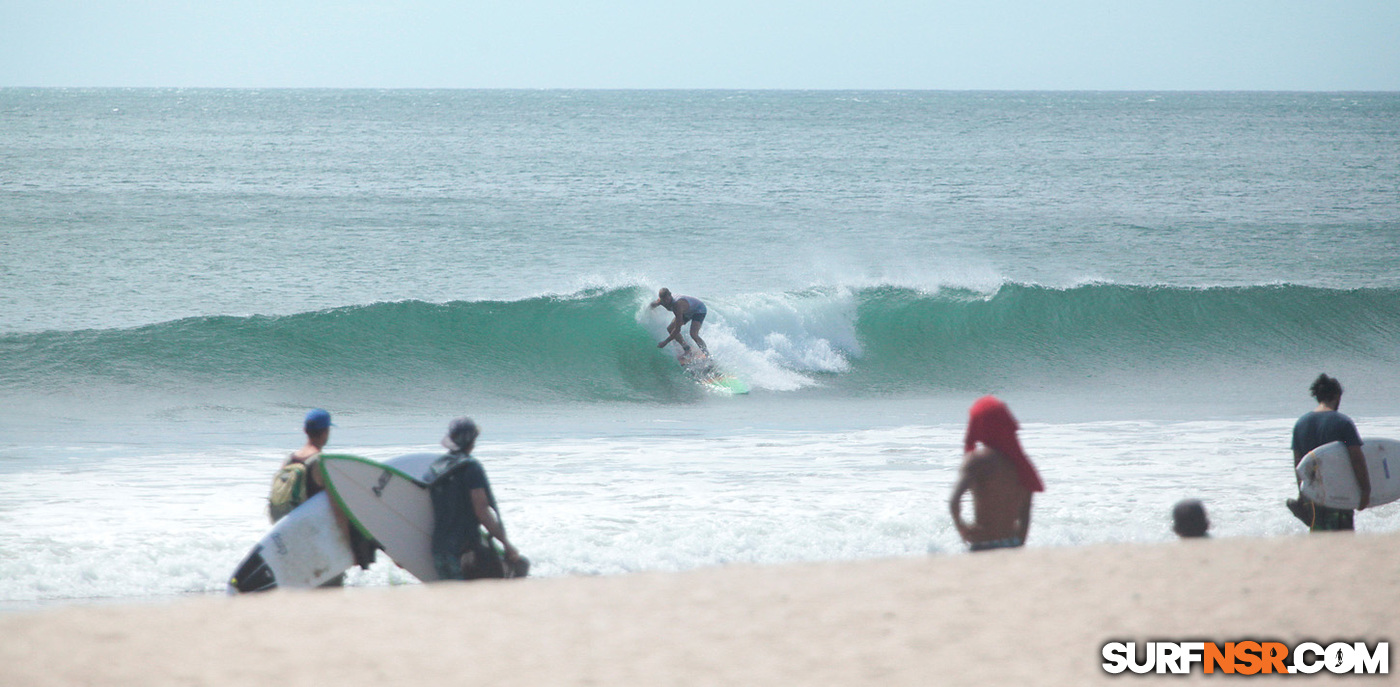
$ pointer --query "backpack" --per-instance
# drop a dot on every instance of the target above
(288, 490)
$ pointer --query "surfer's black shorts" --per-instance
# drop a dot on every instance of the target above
(697, 318)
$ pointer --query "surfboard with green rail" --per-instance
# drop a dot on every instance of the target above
(389, 505)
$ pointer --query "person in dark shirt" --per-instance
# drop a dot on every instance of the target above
(1325, 425)
(462, 506)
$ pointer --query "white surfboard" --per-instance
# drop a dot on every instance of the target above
(712, 377)
(1327, 477)
(309, 546)
(391, 505)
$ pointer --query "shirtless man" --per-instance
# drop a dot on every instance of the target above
(686, 309)
(1000, 478)
(317, 427)
(283, 498)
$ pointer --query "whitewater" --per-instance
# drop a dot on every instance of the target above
(1150, 280)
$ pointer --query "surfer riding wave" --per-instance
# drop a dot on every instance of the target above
(686, 309)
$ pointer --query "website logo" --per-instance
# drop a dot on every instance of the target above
(1246, 657)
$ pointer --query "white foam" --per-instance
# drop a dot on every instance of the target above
(96, 525)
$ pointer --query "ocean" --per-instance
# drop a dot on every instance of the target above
(1149, 280)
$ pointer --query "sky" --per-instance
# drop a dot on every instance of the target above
(1307, 45)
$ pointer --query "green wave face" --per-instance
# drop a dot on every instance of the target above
(585, 346)
(599, 346)
(1025, 333)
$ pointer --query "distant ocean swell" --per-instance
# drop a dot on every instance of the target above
(600, 345)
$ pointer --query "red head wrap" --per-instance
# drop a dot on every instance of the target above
(991, 423)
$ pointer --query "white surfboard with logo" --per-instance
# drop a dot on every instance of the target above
(1328, 479)
(391, 505)
(310, 545)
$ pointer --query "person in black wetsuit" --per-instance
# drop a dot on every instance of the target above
(1325, 425)
(463, 506)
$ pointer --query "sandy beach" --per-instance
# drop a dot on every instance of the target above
(1037, 616)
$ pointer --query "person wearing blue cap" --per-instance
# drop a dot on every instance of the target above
(298, 479)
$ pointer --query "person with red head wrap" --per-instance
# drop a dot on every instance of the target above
(999, 476)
